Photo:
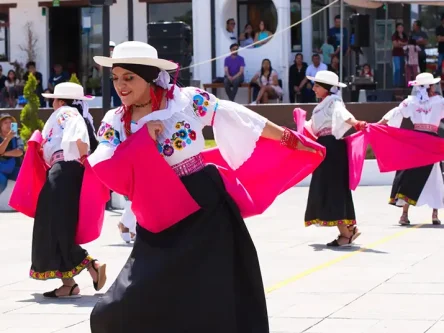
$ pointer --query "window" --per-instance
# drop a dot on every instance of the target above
(319, 24)
(4, 36)
(253, 12)
(296, 31)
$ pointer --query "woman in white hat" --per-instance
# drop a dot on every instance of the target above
(68, 136)
(330, 202)
(423, 185)
(200, 273)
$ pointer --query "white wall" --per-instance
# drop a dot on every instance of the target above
(277, 49)
(27, 11)
(201, 40)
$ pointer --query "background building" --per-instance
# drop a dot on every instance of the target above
(71, 33)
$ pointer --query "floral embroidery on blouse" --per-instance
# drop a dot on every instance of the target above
(183, 136)
(108, 134)
(423, 110)
(64, 116)
(48, 137)
(201, 102)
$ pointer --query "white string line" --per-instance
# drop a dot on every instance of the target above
(261, 41)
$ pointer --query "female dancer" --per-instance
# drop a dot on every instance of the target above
(200, 274)
(423, 185)
(65, 147)
(330, 202)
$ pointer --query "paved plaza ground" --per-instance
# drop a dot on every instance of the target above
(392, 281)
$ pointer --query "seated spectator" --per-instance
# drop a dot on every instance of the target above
(334, 66)
(268, 81)
(262, 35)
(306, 86)
(247, 37)
(11, 149)
(234, 72)
(31, 68)
(12, 85)
(57, 77)
(231, 24)
(366, 71)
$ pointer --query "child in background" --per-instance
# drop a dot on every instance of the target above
(411, 60)
(327, 49)
(366, 71)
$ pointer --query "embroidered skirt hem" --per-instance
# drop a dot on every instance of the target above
(330, 202)
(54, 252)
(200, 275)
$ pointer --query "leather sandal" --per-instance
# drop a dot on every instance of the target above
(335, 243)
(52, 294)
(101, 275)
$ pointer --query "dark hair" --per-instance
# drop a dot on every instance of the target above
(412, 41)
(15, 75)
(337, 17)
(31, 63)
(404, 35)
(234, 45)
(299, 54)
(331, 40)
(418, 23)
(252, 31)
(262, 68)
(315, 56)
(93, 143)
(230, 19)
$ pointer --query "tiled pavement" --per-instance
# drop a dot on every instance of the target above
(393, 283)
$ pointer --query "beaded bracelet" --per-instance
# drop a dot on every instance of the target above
(288, 139)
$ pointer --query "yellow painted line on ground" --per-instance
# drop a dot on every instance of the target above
(332, 262)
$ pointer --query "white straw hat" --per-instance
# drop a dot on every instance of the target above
(424, 79)
(327, 77)
(69, 90)
(137, 53)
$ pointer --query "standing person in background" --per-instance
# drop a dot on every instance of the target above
(399, 40)
(295, 77)
(31, 68)
(422, 39)
(335, 32)
(234, 72)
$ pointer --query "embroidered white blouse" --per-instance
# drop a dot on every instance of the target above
(427, 113)
(61, 131)
(236, 128)
(331, 114)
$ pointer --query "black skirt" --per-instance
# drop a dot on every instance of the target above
(201, 275)
(54, 252)
(330, 201)
(408, 184)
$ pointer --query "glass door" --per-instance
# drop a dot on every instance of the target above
(91, 45)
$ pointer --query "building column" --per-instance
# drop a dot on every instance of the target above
(201, 40)
(284, 20)
(307, 36)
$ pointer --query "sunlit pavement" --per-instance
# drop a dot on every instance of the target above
(391, 281)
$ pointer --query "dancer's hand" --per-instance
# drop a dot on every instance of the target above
(155, 127)
(360, 125)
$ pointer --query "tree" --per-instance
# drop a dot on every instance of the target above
(74, 79)
(31, 42)
(29, 115)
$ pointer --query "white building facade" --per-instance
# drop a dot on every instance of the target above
(69, 32)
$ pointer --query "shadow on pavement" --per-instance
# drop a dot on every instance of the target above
(323, 247)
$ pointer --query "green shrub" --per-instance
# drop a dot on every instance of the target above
(29, 116)
(74, 79)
